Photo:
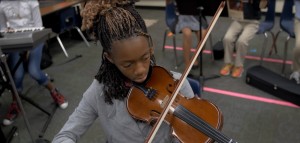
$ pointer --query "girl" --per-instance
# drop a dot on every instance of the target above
(126, 60)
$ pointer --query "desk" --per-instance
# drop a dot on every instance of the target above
(61, 16)
(48, 7)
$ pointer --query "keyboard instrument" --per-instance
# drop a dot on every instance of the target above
(23, 39)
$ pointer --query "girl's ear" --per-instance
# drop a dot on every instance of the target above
(108, 57)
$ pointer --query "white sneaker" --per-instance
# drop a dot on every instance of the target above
(296, 76)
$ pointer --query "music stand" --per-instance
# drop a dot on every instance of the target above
(201, 76)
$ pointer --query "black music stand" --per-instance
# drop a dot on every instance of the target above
(201, 76)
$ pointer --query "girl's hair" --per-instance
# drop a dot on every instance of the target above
(111, 21)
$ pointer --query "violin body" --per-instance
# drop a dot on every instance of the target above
(192, 120)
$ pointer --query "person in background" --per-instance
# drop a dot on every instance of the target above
(242, 29)
(25, 14)
(189, 23)
(127, 59)
(296, 51)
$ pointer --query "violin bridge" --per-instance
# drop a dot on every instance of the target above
(164, 101)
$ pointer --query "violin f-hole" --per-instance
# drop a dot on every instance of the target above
(170, 88)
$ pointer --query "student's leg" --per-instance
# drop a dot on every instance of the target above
(229, 39)
(228, 43)
(296, 50)
(187, 44)
(241, 48)
(36, 73)
(296, 54)
(18, 76)
(34, 63)
(243, 42)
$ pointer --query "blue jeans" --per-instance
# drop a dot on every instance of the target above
(195, 86)
(33, 67)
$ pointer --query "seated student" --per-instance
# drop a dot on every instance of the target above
(296, 51)
(245, 15)
(20, 14)
(189, 23)
(126, 60)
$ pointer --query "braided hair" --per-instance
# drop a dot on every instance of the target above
(111, 21)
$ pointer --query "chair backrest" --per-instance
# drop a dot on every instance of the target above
(171, 16)
(268, 24)
(287, 18)
(270, 14)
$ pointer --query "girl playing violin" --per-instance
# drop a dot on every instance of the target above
(127, 59)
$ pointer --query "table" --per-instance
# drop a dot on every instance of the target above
(48, 7)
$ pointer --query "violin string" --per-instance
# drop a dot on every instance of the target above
(215, 132)
(207, 132)
(203, 129)
(197, 122)
(206, 128)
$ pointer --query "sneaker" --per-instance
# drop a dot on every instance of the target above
(226, 69)
(295, 76)
(12, 114)
(237, 72)
(59, 99)
(170, 34)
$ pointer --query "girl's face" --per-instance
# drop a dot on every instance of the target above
(132, 57)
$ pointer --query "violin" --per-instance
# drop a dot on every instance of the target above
(158, 100)
(192, 120)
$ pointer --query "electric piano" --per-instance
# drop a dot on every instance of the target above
(18, 40)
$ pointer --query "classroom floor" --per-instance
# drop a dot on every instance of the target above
(250, 115)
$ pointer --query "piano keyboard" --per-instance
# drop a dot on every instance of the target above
(23, 29)
(23, 39)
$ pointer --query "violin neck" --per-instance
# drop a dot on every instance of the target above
(199, 124)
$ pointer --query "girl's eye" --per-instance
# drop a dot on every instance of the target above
(126, 65)
(146, 58)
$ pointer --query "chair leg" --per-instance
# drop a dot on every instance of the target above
(274, 43)
(174, 46)
(164, 42)
(285, 54)
(82, 36)
(61, 45)
(273, 37)
(263, 48)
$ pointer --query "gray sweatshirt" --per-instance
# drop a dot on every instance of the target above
(20, 14)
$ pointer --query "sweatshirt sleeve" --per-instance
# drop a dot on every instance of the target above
(80, 120)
